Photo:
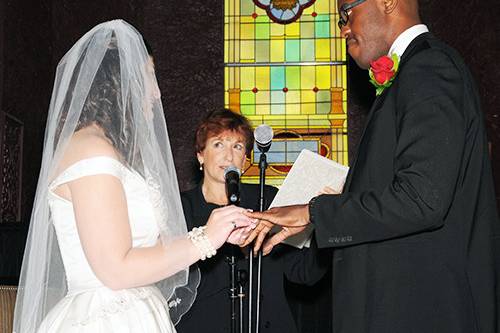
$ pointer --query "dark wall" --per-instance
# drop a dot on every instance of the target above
(473, 28)
(27, 82)
(188, 41)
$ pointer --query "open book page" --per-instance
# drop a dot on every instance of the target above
(309, 175)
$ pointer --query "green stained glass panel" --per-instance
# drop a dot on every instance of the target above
(247, 98)
(247, 110)
(262, 31)
(323, 96)
(293, 77)
(323, 108)
(277, 78)
(322, 26)
(292, 50)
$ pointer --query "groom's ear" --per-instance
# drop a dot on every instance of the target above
(390, 5)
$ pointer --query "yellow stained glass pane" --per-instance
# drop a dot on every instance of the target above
(262, 78)
(308, 96)
(344, 79)
(344, 50)
(246, 20)
(237, 9)
(292, 108)
(277, 50)
(308, 108)
(247, 31)
(226, 51)
(247, 78)
(262, 97)
(277, 30)
(323, 49)
(261, 12)
(292, 97)
(226, 78)
(322, 6)
(334, 28)
(335, 72)
(307, 12)
(323, 77)
(247, 50)
(335, 50)
(292, 29)
(307, 77)
(307, 29)
(262, 109)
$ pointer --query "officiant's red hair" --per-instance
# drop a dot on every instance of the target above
(224, 120)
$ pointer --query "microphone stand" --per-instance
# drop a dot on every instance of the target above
(242, 280)
(233, 296)
(233, 197)
(262, 182)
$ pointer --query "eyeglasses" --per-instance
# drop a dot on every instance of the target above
(344, 12)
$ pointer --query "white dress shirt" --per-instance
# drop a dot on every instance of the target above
(401, 43)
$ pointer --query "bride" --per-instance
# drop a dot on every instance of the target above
(108, 249)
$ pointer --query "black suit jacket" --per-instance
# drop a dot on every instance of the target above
(416, 231)
(210, 312)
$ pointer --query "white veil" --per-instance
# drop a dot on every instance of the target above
(104, 80)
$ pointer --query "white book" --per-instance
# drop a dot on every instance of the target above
(309, 175)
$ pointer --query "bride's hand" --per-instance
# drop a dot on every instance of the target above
(240, 235)
(228, 224)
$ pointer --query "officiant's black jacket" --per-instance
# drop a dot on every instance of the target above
(210, 312)
(416, 232)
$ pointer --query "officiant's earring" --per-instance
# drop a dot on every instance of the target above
(201, 166)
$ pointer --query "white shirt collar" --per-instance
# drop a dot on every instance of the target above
(401, 43)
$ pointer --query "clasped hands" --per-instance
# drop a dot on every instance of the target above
(292, 219)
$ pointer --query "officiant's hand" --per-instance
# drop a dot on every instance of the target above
(292, 219)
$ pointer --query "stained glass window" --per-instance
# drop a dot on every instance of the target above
(289, 76)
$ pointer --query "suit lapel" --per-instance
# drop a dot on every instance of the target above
(415, 46)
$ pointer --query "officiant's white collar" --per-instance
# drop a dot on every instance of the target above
(401, 43)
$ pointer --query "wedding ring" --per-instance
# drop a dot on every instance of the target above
(234, 224)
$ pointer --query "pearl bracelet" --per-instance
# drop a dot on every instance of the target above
(200, 240)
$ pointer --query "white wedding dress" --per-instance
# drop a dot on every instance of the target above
(89, 306)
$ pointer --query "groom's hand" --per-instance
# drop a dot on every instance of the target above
(292, 219)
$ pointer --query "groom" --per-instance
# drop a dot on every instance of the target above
(416, 231)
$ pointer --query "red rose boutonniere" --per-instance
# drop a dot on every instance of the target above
(383, 71)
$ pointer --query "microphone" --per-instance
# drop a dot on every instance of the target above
(232, 176)
(263, 137)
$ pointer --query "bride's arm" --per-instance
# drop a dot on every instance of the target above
(102, 220)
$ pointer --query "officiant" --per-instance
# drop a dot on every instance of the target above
(225, 139)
